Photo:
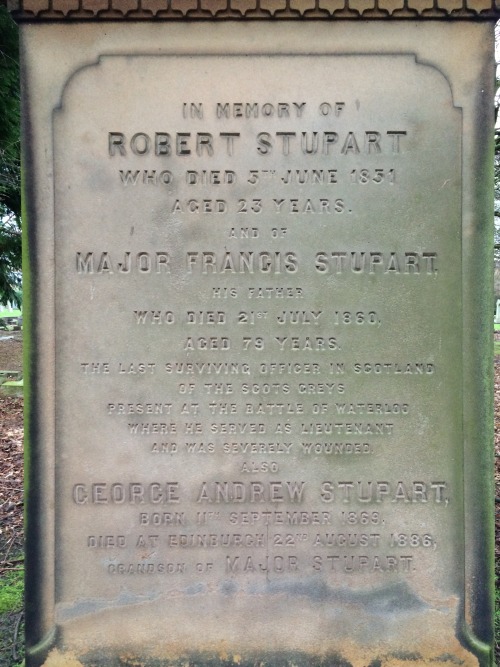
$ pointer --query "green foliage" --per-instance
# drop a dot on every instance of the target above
(10, 260)
(10, 197)
(11, 591)
(10, 187)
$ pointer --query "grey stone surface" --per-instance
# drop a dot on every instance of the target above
(261, 254)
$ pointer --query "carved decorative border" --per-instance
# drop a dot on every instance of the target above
(77, 10)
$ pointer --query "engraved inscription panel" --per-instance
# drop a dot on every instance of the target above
(259, 377)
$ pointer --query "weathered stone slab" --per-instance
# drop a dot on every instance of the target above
(261, 251)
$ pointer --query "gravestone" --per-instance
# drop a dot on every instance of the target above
(258, 270)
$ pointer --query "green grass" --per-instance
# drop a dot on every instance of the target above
(11, 592)
(11, 618)
(10, 313)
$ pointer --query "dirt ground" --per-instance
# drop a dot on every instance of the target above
(11, 493)
(11, 499)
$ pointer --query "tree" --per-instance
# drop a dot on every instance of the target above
(10, 187)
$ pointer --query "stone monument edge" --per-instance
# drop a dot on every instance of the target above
(174, 10)
(38, 413)
(480, 306)
(478, 364)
